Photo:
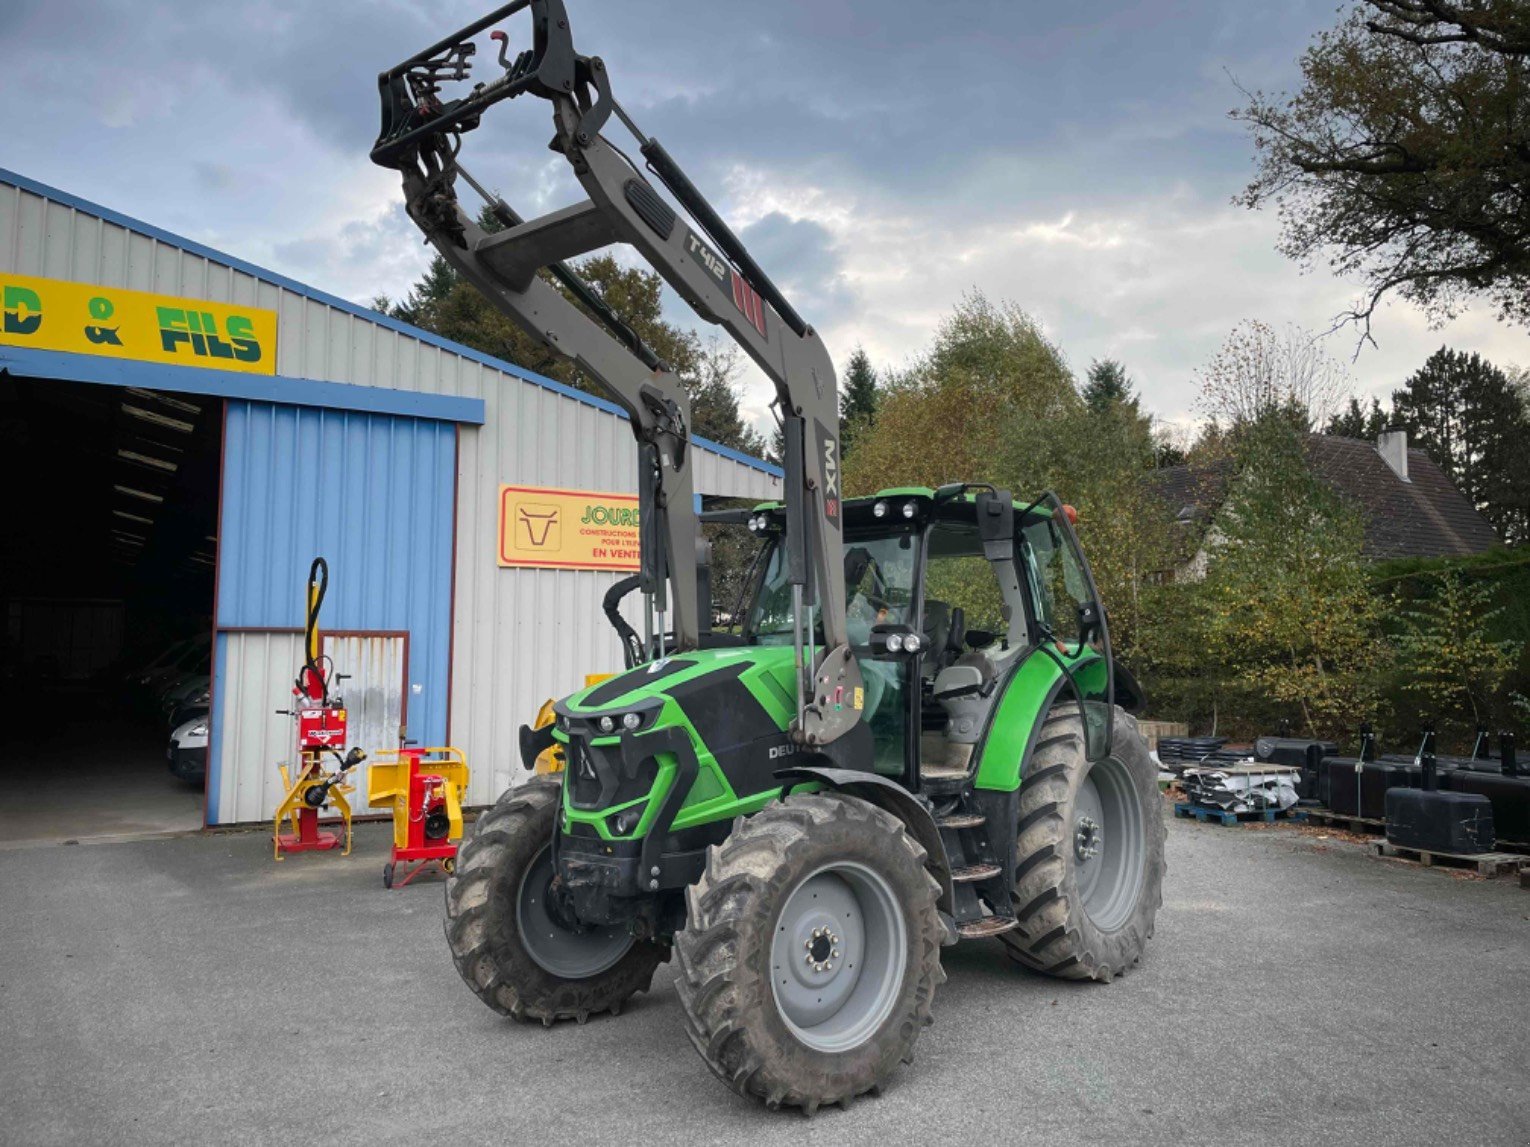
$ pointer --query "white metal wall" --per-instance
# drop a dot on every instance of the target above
(254, 674)
(519, 636)
(369, 677)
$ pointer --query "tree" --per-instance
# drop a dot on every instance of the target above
(940, 420)
(453, 308)
(418, 305)
(1452, 665)
(1260, 371)
(1167, 452)
(1470, 418)
(1355, 421)
(992, 400)
(1288, 612)
(1171, 444)
(1405, 156)
(857, 399)
(776, 451)
(714, 399)
(1107, 384)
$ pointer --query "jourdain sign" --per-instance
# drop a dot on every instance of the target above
(567, 529)
(47, 314)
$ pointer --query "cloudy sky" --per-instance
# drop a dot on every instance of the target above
(881, 157)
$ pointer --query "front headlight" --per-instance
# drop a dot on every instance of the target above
(197, 730)
(631, 721)
(202, 698)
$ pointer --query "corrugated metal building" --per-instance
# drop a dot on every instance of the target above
(382, 447)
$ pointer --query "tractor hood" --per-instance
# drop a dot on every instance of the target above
(765, 670)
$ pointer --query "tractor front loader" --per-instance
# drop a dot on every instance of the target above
(912, 740)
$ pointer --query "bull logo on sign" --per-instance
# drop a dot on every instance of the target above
(541, 523)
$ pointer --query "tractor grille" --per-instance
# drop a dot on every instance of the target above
(595, 776)
(584, 781)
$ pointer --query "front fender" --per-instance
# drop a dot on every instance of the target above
(892, 797)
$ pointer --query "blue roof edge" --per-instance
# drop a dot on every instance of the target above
(79, 203)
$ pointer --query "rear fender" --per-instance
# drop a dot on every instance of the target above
(892, 797)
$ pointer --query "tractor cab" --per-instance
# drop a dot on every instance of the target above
(947, 592)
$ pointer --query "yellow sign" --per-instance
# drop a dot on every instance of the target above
(567, 529)
(48, 314)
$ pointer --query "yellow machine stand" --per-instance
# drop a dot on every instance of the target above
(424, 788)
(313, 790)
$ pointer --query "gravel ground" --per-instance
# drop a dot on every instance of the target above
(191, 990)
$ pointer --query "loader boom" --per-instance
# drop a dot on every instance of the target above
(516, 269)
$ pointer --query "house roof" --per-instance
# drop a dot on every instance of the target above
(1425, 516)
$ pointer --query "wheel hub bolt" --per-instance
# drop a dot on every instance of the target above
(821, 950)
(1087, 838)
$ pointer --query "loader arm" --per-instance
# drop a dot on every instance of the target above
(706, 264)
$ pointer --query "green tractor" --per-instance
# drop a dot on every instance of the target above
(909, 738)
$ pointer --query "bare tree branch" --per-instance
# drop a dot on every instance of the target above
(1405, 157)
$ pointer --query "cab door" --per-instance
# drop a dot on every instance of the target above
(1073, 630)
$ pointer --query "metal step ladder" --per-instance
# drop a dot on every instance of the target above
(976, 880)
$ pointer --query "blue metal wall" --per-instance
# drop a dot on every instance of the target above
(374, 495)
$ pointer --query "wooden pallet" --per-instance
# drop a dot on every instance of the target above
(1487, 864)
(1219, 816)
(1330, 819)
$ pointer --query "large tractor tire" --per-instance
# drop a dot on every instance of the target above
(1089, 872)
(511, 944)
(811, 952)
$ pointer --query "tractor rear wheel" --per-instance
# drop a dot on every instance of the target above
(508, 938)
(811, 952)
(1089, 872)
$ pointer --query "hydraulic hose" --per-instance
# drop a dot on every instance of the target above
(632, 645)
(318, 586)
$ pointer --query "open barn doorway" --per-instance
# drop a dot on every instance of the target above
(106, 594)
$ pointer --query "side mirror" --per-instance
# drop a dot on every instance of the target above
(889, 640)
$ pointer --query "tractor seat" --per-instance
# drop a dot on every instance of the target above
(945, 630)
(937, 631)
(972, 673)
(965, 690)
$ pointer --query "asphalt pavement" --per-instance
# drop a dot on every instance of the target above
(191, 990)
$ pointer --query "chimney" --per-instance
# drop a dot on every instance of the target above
(1392, 445)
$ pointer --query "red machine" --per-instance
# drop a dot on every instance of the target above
(424, 788)
(321, 731)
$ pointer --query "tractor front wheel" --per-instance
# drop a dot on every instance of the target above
(811, 952)
(510, 939)
(1089, 872)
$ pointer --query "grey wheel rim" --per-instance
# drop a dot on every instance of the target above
(571, 953)
(1109, 844)
(838, 956)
